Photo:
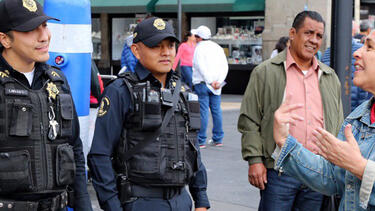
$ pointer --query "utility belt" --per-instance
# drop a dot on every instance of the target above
(156, 192)
(128, 192)
(56, 203)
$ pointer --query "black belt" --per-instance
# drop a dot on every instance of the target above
(156, 192)
(56, 203)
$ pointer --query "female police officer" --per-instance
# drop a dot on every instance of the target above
(40, 149)
(147, 127)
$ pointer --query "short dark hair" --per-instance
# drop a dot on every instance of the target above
(364, 26)
(300, 18)
(9, 34)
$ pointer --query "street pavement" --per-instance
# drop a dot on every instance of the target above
(228, 187)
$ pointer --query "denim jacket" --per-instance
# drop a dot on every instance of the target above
(323, 176)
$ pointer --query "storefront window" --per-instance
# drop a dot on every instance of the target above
(240, 37)
(122, 29)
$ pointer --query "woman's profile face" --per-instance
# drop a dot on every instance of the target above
(192, 37)
(364, 76)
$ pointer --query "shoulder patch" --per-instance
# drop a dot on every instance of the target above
(104, 106)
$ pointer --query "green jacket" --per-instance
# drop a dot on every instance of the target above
(264, 94)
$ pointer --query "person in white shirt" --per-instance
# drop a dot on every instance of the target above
(210, 68)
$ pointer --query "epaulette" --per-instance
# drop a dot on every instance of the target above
(130, 76)
(54, 73)
(4, 76)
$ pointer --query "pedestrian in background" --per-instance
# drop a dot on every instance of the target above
(147, 128)
(128, 60)
(295, 72)
(364, 30)
(345, 165)
(357, 95)
(281, 44)
(41, 159)
(210, 68)
(185, 55)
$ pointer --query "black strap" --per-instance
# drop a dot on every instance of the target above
(152, 136)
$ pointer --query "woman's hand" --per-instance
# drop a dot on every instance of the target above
(283, 117)
(345, 154)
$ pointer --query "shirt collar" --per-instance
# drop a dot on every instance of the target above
(363, 112)
(290, 61)
(144, 74)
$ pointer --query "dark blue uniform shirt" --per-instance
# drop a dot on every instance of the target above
(107, 134)
(82, 199)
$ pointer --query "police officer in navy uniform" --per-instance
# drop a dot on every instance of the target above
(145, 149)
(41, 159)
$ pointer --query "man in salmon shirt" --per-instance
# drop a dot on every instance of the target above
(294, 73)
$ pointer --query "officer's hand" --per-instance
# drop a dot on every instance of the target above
(201, 209)
(258, 175)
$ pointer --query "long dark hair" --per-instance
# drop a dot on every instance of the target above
(187, 35)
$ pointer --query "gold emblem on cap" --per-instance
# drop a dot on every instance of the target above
(159, 24)
(30, 5)
(55, 74)
(52, 90)
(135, 34)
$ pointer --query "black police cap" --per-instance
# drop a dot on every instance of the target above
(152, 31)
(21, 15)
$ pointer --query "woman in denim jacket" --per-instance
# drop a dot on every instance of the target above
(345, 168)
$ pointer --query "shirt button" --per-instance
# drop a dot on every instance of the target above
(348, 186)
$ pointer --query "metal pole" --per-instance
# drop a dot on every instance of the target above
(341, 47)
(179, 18)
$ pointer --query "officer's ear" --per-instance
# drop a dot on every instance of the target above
(6, 39)
(136, 50)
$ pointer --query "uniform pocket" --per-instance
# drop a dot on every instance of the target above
(194, 115)
(151, 119)
(65, 165)
(20, 119)
(15, 174)
(65, 105)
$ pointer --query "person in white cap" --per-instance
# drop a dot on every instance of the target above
(210, 68)
(185, 55)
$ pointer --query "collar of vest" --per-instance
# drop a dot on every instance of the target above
(53, 74)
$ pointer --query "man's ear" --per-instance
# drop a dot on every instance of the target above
(135, 50)
(5, 40)
(292, 33)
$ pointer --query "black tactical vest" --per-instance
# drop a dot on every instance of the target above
(171, 159)
(30, 162)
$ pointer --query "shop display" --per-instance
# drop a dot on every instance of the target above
(241, 45)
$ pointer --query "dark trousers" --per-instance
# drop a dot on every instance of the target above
(284, 193)
(181, 202)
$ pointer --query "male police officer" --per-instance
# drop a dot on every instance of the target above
(147, 127)
(41, 157)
